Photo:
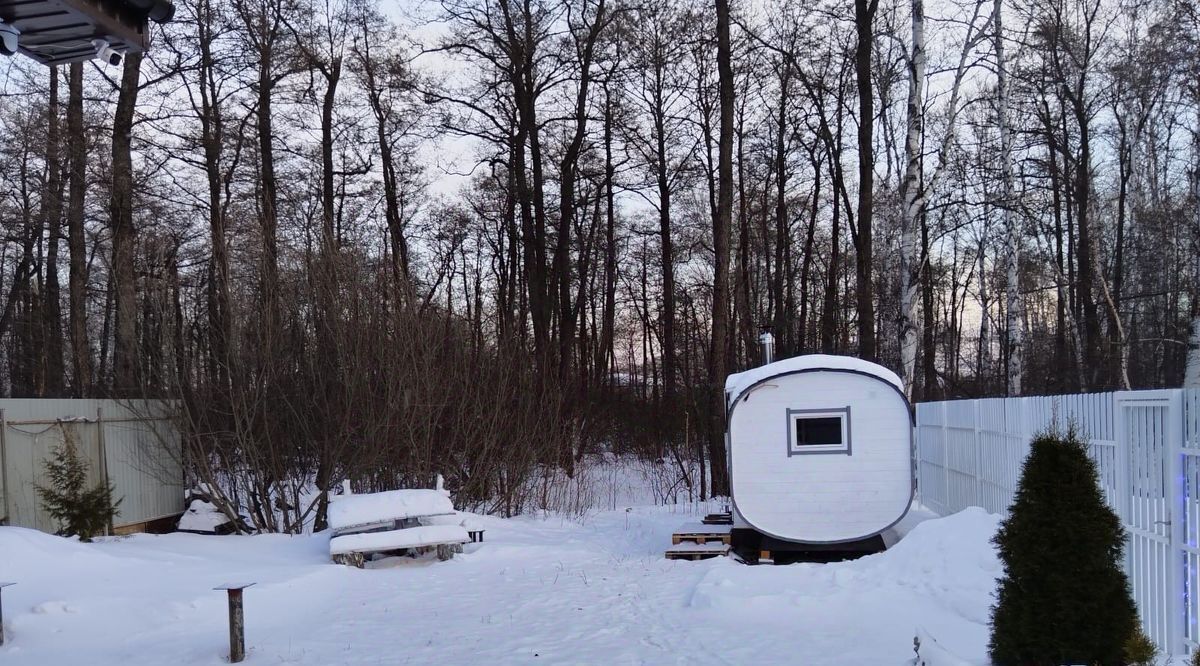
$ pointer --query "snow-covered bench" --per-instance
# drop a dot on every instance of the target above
(410, 521)
(352, 548)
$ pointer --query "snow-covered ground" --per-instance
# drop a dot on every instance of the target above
(538, 590)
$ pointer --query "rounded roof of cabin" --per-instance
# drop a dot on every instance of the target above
(738, 382)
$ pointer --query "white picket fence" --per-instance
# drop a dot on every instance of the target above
(1146, 445)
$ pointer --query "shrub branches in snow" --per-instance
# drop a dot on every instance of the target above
(1063, 597)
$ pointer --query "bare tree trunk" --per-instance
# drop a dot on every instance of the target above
(268, 200)
(81, 353)
(782, 237)
(806, 261)
(1061, 300)
(126, 365)
(52, 211)
(864, 25)
(567, 171)
(18, 308)
(521, 43)
(721, 226)
(929, 383)
(370, 67)
(1191, 374)
(331, 235)
(606, 352)
(667, 257)
(984, 357)
(744, 306)
(830, 302)
(1087, 270)
(212, 133)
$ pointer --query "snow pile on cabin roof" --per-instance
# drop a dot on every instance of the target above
(738, 382)
(350, 510)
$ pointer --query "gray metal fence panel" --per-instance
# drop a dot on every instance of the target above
(133, 444)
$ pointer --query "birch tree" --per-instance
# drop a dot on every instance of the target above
(1014, 306)
(913, 194)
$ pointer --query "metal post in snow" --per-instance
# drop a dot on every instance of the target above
(2, 586)
(237, 621)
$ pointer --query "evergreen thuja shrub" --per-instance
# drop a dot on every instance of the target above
(1063, 597)
(1140, 650)
(80, 511)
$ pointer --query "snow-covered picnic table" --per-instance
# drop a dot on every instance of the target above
(347, 512)
(411, 537)
(414, 521)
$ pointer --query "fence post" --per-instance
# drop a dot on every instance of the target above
(103, 457)
(1018, 444)
(945, 499)
(976, 447)
(1121, 456)
(1177, 518)
(4, 466)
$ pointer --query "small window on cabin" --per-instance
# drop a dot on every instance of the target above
(818, 431)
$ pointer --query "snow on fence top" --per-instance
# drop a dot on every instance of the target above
(351, 510)
(736, 383)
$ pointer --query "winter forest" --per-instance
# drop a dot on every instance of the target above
(491, 238)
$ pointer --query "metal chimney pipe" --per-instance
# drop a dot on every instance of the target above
(766, 343)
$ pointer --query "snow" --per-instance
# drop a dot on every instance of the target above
(412, 537)
(352, 510)
(701, 528)
(541, 589)
(931, 653)
(202, 516)
(692, 547)
(738, 382)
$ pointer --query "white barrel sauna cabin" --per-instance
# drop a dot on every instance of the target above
(820, 455)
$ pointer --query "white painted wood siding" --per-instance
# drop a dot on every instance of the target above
(821, 497)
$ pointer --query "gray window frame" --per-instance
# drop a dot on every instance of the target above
(794, 415)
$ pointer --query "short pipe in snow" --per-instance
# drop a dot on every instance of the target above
(2, 586)
(237, 622)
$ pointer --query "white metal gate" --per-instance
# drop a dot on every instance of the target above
(1186, 523)
(1149, 437)
(1146, 446)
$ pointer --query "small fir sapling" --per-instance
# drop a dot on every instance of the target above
(80, 511)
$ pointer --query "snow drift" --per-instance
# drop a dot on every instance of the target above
(541, 589)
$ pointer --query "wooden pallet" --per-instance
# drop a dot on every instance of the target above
(718, 519)
(702, 534)
(697, 541)
(696, 551)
